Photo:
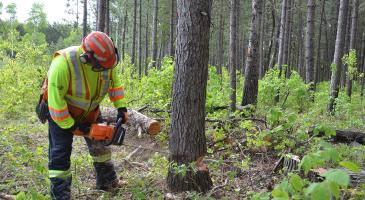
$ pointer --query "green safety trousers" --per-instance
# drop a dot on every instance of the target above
(60, 147)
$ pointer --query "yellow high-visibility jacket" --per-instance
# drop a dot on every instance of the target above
(75, 91)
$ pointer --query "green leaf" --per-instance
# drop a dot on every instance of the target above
(296, 182)
(280, 195)
(350, 166)
(338, 176)
(317, 191)
(335, 189)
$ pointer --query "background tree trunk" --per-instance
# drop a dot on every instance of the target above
(172, 38)
(252, 67)
(337, 62)
(84, 20)
(232, 54)
(133, 59)
(187, 142)
(282, 36)
(140, 41)
(273, 38)
(154, 33)
(317, 69)
(261, 43)
(220, 39)
(107, 17)
(309, 43)
(147, 39)
(355, 10)
(101, 15)
(287, 37)
(124, 32)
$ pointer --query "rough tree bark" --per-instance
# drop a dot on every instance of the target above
(354, 15)
(337, 62)
(187, 142)
(101, 15)
(252, 67)
(133, 59)
(154, 33)
(232, 54)
(84, 20)
(309, 44)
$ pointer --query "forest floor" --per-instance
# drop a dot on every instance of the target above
(23, 166)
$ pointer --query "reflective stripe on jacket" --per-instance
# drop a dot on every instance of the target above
(75, 91)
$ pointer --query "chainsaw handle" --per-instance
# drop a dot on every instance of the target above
(117, 126)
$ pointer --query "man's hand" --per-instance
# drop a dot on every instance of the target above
(123, 113)
(79, 129)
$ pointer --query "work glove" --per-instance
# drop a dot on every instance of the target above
(79, 129)
(123, 114)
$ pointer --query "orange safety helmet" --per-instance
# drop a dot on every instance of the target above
(99, 51)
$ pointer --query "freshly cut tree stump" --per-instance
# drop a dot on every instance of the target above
(136, 120)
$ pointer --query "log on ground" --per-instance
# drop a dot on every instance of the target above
(136, 120)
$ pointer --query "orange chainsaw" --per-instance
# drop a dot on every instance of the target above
(109, 134)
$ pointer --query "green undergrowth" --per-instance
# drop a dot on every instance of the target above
(283, 128)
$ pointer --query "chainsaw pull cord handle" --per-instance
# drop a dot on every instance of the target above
(117, 125)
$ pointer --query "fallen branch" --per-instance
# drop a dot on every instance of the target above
(345, 136)
(128, 157)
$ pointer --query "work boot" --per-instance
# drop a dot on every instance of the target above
(115, 185)
(106, 178)
(61, 188)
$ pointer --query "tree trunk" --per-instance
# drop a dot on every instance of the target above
(107, 17)
(363, 65)
(140, 41)
(282, 36)
(147, 40)
(133, 59)
(154, 33)
(346, 45)
(172, 20)
(355, 9)
(287, 38)
(101, 15)
(273, 38)
(317, 69)
(261, 43)
(84, 22)
(187, 141)
(232, 54)
(309, 44)
(252, 67)
(337, 62)
(124, 32)
(220, 39)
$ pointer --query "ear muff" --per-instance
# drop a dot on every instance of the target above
(84, 58)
